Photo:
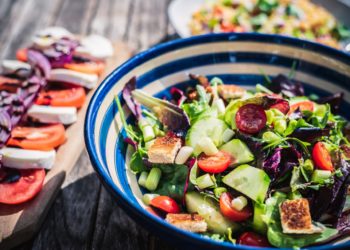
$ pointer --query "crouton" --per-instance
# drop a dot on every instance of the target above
(296, 217)
(164, 149)
(231, 91)
(189, 222)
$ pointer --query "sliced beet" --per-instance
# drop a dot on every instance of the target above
(251, 118)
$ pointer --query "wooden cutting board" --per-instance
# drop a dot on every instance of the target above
(18, 223)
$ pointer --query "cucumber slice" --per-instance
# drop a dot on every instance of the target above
(239, 152)
(209, 209)
(207, 127)
(248, 180)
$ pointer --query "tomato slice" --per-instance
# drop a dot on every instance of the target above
(214, 163)
(253, 239)
(251, 118)
(27, 185)
(303, 106)
(72, 97)
(228, 211)
(38, 138)
(22, 54)
(166, 204)
(321, 157)
(86, 67)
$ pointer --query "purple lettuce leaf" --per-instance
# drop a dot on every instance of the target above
(256, 147)
(288, 87)
(334, 101)
(310, 134)
(170, 115)
(281, 162)
(331, 199)
(134, 106)
(177, 95)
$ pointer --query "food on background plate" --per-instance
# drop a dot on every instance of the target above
(260, 167)
(300, 18)
(40, 94)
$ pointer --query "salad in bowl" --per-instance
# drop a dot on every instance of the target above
(260, 167)
(227, 141)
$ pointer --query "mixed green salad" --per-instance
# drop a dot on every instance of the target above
(261, 167)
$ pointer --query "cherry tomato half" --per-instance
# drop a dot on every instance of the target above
(86, 67)
(282, 106)
(303, 106)
(28, 185)
(214, 163)
(22, 54)
(250, 118)
(253, 239)
(321, 157)
(62, 98)
(166, 204)
(228, 211)
(38, 138)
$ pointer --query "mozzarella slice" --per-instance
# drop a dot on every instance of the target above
(27, 159)
(11, 66)
(95, 46)
(48, 114)
(46, 37)
(81, 79)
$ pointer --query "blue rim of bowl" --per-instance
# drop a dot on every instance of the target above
(140, 215)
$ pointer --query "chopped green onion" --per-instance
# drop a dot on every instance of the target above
(204, 181)
(218, 191)
(207, 146)
(146, 198)
(280, 126)
(219, 105)
(320, 176)
(216, 80)
(270, 116)
(183, 154)
(263, 89)
(153, 179)
(148, 133)
(239, 203)
(143, 178)
(270, 137)
(227, 135)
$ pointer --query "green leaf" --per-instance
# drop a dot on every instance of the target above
(276, 236)
(136, 163)
(173, 180)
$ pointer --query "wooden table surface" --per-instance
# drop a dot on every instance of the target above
(84, 215)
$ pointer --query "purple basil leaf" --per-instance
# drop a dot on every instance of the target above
(334, 101)
(286, 86)
(134, 107)
(61, 52)
(38, 60)
(5, 127)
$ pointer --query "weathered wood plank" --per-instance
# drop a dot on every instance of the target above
(24, 19)
(69, 222)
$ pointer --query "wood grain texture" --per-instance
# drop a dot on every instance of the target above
(84, 215)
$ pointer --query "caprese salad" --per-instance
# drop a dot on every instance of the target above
(40, 94)
(261, 167)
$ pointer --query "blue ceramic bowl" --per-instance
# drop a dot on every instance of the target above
(236, 58)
